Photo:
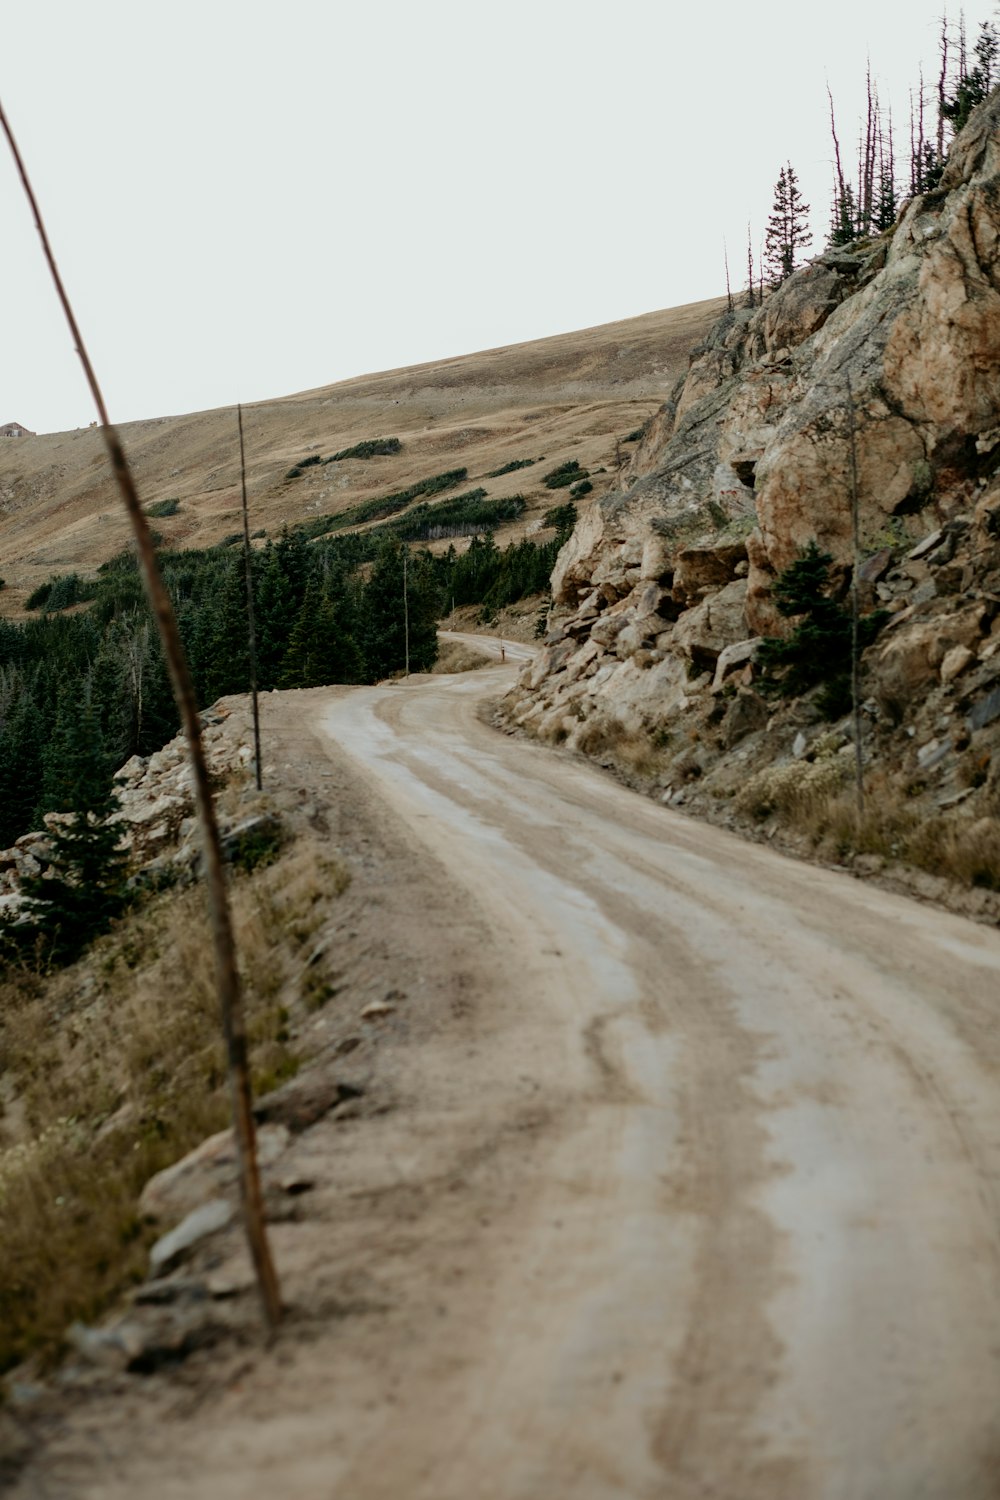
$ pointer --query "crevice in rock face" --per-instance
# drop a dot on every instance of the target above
(746, 471)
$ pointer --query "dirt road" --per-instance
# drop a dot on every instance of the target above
(696, 1193)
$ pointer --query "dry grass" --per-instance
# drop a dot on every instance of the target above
(114, 1068)
(817, 799)
(455, 656)
(566, 397)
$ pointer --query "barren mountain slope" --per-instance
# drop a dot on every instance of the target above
(565, 397)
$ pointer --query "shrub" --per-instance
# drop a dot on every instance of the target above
(563, 518)
(370, 448)
(793, 789)
(566, 474)
(464, 515)
(817, 651)
(584, 487)
(60, 593)
(39, 597)
(515, 463)
(385, 505)
(161, 508)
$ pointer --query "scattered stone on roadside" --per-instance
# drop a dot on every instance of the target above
(207, 1219)
(206, 1172)
(302, 1101)
(376, 1009)
(927, 545)
(955, 662)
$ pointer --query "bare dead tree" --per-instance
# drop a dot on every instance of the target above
(837, 162)
(251, 629)
(750, 292)
(942, 89)
(227, 973)
(729, 289)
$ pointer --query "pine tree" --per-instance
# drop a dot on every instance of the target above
(384, 617)
(973, 83)
(21, 743)
(818, 648)
(83, 890)
(320, 649)
(788, 229)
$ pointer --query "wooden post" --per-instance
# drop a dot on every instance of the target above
(406, 612)
(855, 607)
(251, 630)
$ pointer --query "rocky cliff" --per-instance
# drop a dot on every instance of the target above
(665, 587)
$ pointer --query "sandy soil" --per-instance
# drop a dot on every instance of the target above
(678, 1175)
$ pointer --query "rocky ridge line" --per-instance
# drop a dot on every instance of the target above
(665, 587)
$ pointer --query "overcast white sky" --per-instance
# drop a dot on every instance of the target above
(251, 199)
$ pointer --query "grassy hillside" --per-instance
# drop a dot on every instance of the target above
(551, 401)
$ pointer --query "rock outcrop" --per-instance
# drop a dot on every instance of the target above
(887, 351)
(157, 810)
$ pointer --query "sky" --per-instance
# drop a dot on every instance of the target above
(248, 200)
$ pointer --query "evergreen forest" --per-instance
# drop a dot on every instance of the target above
(330, 610)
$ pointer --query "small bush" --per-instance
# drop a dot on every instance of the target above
(562, 518)
(793, 789)
(39, 597)
(370, 448)
(566, 474)
(584, 487)
(470, 514)
(160, 508)
(385, 505)
(515, 463)
(817, 651)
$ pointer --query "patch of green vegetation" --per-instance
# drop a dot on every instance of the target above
(817, 650)
(563, 518)
(385, 505)
(582, 487)
(60, 593)
(565, 475)
(635, 436)
(370, 448)
(160, 508)
(464, 515)
(515, 464)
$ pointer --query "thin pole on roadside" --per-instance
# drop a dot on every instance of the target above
(859, 772)
(406, 611)
(251, 629)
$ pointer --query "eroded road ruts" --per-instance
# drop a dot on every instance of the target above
(703, 1201)
(782, 1271)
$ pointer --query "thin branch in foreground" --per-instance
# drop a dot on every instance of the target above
(227, 974)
